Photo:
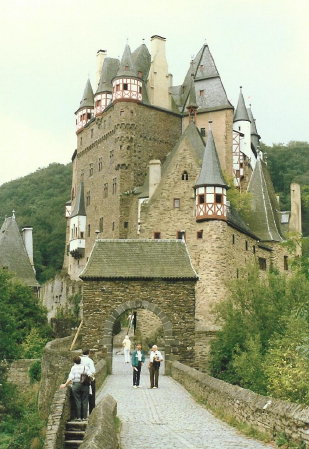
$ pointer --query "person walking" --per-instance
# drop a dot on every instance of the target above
(126, 348)
(155, 360)
(80, 391)
(86, 360)
(137, 359)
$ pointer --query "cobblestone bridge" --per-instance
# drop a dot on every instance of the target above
(166, 418)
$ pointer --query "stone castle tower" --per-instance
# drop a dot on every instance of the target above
(153, 161)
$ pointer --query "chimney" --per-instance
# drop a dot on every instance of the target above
(28, 242)
(159, 78)
(295, 224)
(154, 176)
(100, 59)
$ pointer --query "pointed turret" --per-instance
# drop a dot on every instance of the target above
(192, 103)
(85, 111)
(255, 137)
(127, 86)
(103, 95)
(78, 225)
(141, 59)
(242, 126)
(210, 188)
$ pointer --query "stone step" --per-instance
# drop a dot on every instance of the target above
(74, 434)
(76, 425)
(72, 444)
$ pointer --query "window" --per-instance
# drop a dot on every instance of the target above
(199, 234)
(98, 103)
(121, 113)
(140, 74)
(181, 235)
(111, 156)
(157, 235)
(91, 133)
(201, 66)
(202, 93)
(100, 164)
(262, 263)
(101, 224)
(176, 203)
(114, 186)
(233, 239)
(218, 198)
(125, 86)
(201, 199)
(105, 190)
(246, 245)
(126, 225)
(126, 67)
(88, 115)
(286, 262)
(81, 140)
(88, 198)
(81, 235)
(203, 132)
(88, 230)
(117, 87)
(140, 90)
(237, 273)
(185, 176)
(113, 226)
(90, 169)
(253, 249)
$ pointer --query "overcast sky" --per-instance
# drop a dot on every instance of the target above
(48, 49)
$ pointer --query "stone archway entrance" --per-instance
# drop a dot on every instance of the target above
(133, 305)
(153, 275)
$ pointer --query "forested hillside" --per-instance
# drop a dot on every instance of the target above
(39, 200)
(290, 163)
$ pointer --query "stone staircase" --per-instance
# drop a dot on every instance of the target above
(74, 434)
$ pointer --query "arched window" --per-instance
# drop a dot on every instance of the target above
(185, 176)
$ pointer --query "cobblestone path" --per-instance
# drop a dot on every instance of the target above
(166, 418)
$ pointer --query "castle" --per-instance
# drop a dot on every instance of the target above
(156, 161)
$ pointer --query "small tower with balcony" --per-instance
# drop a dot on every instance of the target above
(86, 108)
(210, 188)
(127, 86)
(104, 94)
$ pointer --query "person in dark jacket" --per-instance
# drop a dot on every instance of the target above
(137, 360)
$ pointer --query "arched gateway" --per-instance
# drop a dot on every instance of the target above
(155, 275)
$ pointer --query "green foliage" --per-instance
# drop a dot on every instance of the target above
(261, 320)
(20, 312)
(286, 366)
(287, 164)
(241, 201)
(39, 201)
(33, 344)
(35, 371)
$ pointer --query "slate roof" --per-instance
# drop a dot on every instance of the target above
(139, 259)
(142, 59)
(211, 173)
(79, 205)
(109, 71)
(265, 215)
(127, 61)
(13, 254)
(255, 137)
(241, 113)
(206, 78)
(87, 98)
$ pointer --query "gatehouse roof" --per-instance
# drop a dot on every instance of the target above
(139, 259)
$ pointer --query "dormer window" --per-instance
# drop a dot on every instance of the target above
(140, 74)
(126, 67)
(202, 93)
(201, 67)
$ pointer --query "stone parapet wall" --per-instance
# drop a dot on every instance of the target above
(60, 410)
(101, 432)
(18, 372)
(268, 415)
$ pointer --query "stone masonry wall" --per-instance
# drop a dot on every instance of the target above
(172, 300)
(18, 372)
(271, 416)
(101, 432)
(113, 153)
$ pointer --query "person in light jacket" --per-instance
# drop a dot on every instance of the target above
(155, 360)
(87, 361)
(126, 348)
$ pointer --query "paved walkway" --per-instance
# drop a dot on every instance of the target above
(166, 418)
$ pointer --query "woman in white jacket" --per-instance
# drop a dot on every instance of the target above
(126, 348)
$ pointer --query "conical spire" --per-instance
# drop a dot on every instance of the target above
(255, 137)
(241, 113)
(79, 207)
(87, 98)
(192, 103)
(211, 171)
(206, 67)
(126, 65)
(109, 71)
